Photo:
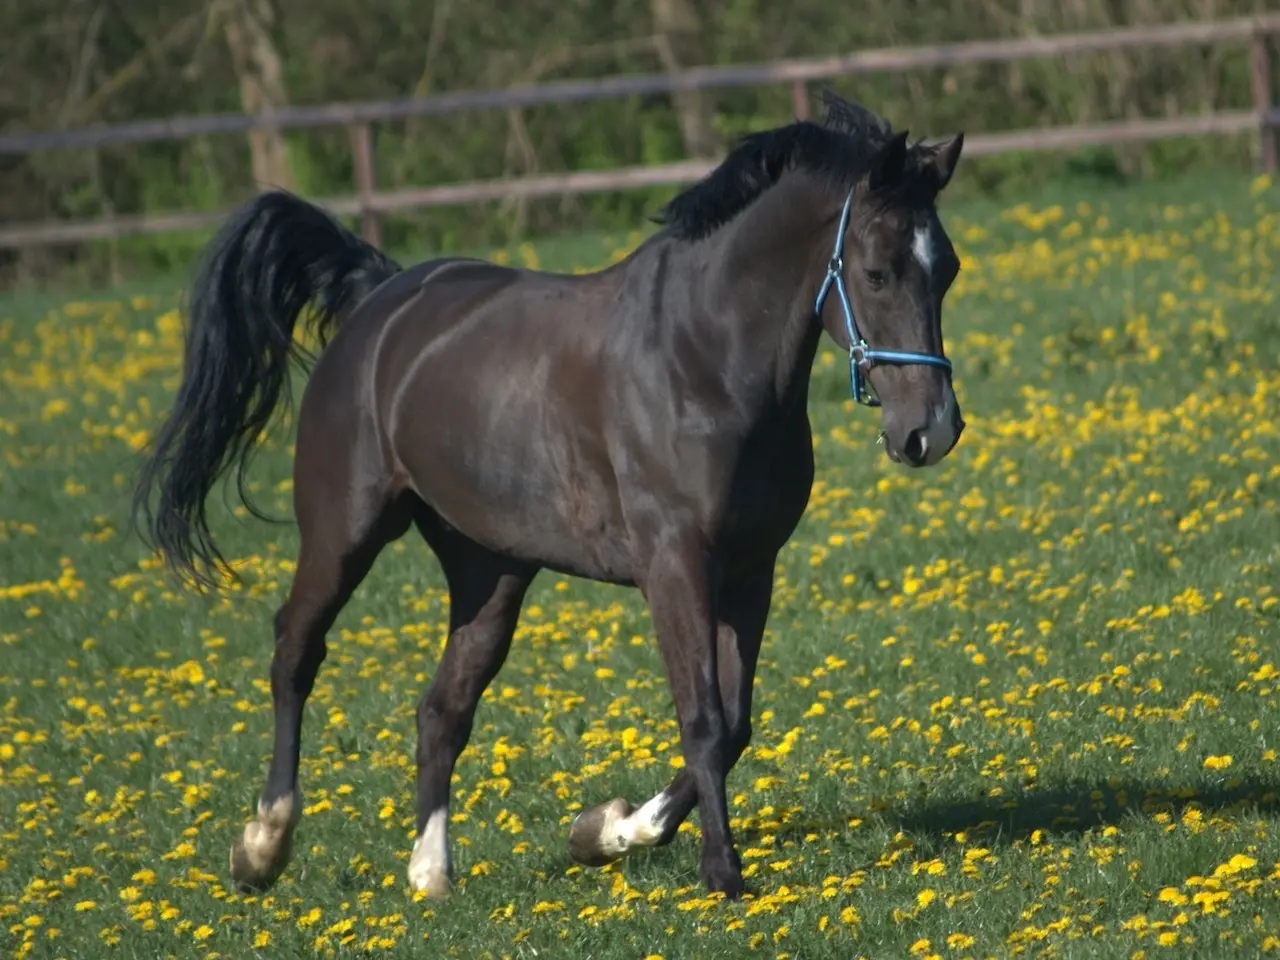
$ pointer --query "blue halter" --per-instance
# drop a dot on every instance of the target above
(861, 357)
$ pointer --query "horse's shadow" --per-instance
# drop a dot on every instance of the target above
(1070, 808)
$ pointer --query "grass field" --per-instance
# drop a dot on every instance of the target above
(1022, 704)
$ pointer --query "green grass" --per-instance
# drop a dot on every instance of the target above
(1021, 704)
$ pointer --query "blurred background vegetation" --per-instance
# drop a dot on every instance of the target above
(70, 63)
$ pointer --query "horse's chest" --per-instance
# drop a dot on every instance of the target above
(769, 496)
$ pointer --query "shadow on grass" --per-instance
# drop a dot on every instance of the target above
(1064, 809)
(1061, 811)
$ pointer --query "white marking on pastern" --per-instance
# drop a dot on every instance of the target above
(643, 828)
(430, 866)
(264, 838)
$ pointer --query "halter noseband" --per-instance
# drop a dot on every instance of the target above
(861, 357)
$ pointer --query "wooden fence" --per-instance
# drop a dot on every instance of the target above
(1257, 32)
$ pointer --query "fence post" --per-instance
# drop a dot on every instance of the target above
(362, 155)
(1260, 78)
(800, 100)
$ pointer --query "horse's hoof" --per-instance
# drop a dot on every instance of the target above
(434, 883)
(724, 875)
(248, 876)
(591, 839)
(258, 858)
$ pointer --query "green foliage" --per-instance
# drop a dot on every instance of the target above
(1022, 703)
(76, 70)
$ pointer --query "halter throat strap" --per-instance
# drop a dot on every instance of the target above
(861, 356)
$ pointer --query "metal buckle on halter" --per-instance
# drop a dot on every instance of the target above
(859, 386)
(858, 354)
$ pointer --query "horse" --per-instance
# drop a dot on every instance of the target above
(644, 425)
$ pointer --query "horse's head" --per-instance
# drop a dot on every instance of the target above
(896, 263)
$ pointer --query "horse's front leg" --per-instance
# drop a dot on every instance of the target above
(609, 831)
(680, 588)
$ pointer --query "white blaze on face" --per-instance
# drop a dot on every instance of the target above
(939, 435)
(922, 248)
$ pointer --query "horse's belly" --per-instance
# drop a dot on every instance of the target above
(557, 532)
(521, 493)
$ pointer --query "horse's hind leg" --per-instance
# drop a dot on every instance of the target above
(343, 526)
(611, 830)
(485, 595)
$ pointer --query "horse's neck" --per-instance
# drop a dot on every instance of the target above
(770, 271)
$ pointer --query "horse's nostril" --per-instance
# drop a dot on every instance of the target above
(916, 448)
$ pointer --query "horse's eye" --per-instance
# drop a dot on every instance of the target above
(876, 278)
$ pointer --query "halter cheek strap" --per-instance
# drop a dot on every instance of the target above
(861, 357)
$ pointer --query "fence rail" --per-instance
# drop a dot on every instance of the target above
(1264, 118)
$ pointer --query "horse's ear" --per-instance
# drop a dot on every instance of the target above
(945, 157)
(887, 165)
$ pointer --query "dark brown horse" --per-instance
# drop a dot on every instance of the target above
(644, 425)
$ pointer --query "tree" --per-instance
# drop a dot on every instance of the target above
(678, 35)
(259, 67)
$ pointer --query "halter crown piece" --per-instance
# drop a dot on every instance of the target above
(861, 357)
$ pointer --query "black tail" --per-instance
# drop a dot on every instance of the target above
(274, 257)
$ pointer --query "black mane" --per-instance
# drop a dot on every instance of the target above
(840, 148)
